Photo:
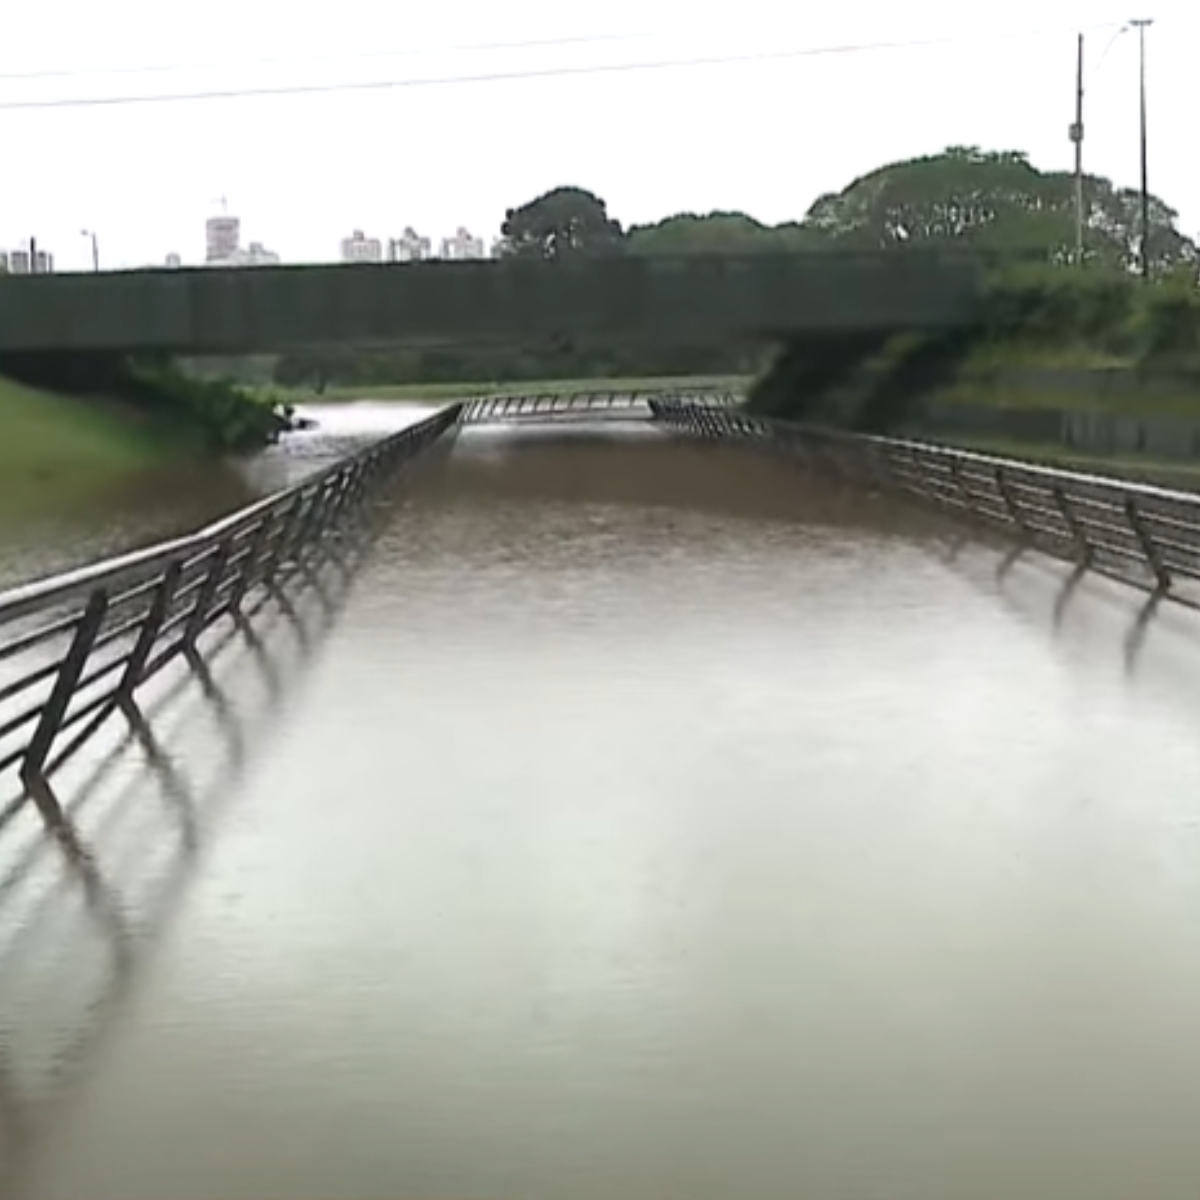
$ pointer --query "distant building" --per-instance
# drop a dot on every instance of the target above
(222, 237)
(256, 255)
(174, 262)
(409, 247)
(19, 262)
(223, 246)
(463, 246)
(358, 248)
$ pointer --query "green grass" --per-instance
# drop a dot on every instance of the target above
(1146, 468)
(1179, 401)
(994, 355)
(418, 392)
(58, 448)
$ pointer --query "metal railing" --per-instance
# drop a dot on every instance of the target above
(1141, 534)
(548, 405)
(76, 646)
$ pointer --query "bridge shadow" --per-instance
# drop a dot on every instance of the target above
(94, 865)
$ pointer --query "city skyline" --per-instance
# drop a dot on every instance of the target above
(764, 137)
(223, 248)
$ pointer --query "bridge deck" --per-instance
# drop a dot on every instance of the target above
(687, 298)
(653, 824)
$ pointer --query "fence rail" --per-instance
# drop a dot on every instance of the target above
(549, 405)
(75, 647)
(1143, 535)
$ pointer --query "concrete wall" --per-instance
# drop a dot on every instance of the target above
(1154, 435)
(682, 298)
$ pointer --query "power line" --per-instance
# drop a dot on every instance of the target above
(509, 76)
(411, 52)
(1124, 27)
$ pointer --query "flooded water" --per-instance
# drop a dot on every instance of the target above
(645, 821)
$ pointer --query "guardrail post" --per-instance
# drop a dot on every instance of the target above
(963, 490)
(1149, 549)
(333, 498)
(254, 554)
(69, 674)
(1010, 502)
(298, 536)
(1073, 524)
(318, 514)
(208, 589)
(281, 539)
(148, 634)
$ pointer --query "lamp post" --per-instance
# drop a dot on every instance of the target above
(87, 233)
(1077, 138)
(1141, 26)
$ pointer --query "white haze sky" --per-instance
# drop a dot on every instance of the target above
(765, 136)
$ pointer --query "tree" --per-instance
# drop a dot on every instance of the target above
(995, 202)
(565, 222)
(718, 233)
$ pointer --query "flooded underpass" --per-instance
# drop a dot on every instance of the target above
(645, 820)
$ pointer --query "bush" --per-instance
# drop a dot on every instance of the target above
(1044, 305)
(224, 416)
(228, 417)
(1168, 328)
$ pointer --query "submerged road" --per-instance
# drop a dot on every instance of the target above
(644, 821)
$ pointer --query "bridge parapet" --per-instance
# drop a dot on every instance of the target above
(74, 648)
(681, 299)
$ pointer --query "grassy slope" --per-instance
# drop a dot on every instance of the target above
(1145, 468)
(976, 384)
(1182, 402)
(54, 445)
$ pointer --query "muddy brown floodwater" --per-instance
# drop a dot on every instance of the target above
(647, 821)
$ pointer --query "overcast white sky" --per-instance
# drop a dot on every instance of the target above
(766, 137)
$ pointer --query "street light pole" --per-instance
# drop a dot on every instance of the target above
(1141, 26)
(87, 233)
(1077, 138)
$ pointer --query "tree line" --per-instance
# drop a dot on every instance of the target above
(992, 203)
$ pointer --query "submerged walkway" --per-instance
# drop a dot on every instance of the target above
(645, 821)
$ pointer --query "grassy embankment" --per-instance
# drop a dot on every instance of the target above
(60, 448)
(1169, 473)
(985, 377)
(446, 392)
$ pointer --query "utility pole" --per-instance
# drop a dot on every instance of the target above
(1141, 26)
(87, 233)
(1077, 138)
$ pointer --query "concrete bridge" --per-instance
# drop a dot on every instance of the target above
(680, 298)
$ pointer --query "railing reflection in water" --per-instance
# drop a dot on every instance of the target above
(89, 883)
